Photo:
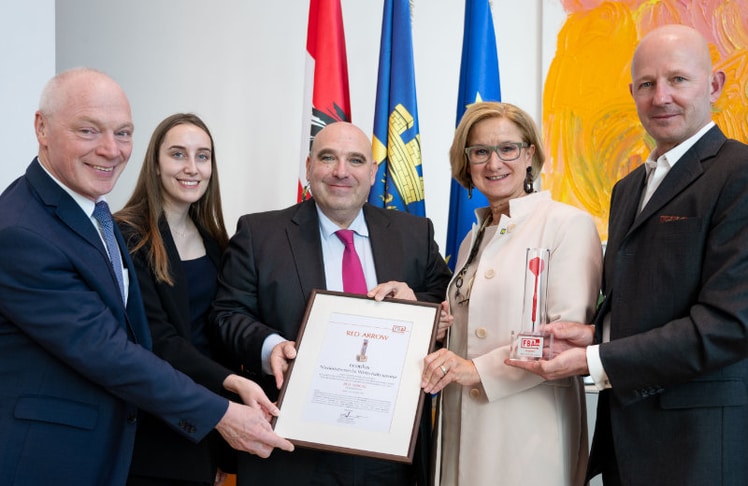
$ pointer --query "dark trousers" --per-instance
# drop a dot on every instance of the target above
(603, 457)
(347, 470)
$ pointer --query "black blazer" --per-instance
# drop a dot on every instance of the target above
(159, 451)
(676, 291)
(273, 263)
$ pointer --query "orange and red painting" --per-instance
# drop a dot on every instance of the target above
(592, 133)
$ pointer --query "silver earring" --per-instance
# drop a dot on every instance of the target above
(529, 189)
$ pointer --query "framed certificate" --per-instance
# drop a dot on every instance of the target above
(355, 385)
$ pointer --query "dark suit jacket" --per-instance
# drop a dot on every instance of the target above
(273, 263)
(676, 287)
(71, 366)
(160, 451)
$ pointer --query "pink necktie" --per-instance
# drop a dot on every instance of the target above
(353, 274)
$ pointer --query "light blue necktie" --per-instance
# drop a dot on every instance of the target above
(104, 217)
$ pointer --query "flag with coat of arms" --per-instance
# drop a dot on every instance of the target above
(396, 142)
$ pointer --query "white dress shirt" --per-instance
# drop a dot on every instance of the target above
(332, 256)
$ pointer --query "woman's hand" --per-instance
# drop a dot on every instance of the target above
(251, 394)
(445, 322)
(443, 367)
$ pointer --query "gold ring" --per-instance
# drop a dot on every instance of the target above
(444, 370)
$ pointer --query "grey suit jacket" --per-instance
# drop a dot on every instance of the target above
(676, 291)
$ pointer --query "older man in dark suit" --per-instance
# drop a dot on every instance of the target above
(672, 332)
(277, 258)
(74, 359)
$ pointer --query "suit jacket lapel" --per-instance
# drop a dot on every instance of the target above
(136, 320)
(381, 245)
(68, 211)
(179, 289)
(306, 248)
(627, 195)
(681, 176)
(688, 169)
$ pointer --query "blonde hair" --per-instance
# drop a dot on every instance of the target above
(482, 111)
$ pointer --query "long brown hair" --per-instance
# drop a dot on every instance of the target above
(146, 205)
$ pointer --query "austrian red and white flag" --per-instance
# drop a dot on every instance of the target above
(326, 97)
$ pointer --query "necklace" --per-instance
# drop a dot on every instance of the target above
(181, 234)
(460, 279)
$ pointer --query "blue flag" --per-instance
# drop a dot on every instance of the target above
(479, 81)
(397, 141)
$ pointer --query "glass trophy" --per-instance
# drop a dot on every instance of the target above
(530, 342)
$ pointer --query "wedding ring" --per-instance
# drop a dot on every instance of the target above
(444, 370)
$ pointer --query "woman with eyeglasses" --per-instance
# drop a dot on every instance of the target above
(498, 424)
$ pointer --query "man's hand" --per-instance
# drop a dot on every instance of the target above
(281, 354)
(570, 341)
(567, 335)
(572, 362)
(245, 429)
(251, 394)
(393, 289)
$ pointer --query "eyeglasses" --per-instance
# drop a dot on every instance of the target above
(508, 151)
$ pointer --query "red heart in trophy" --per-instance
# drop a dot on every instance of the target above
(536, 265)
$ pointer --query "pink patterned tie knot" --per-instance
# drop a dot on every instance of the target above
(353, 274)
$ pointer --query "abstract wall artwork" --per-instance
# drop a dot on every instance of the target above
(591, 130)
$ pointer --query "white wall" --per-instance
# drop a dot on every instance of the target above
(240, 65)
(27, 53)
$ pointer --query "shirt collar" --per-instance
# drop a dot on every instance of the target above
(85, 203)
(519, 207)
(673, 155)
(329, 228)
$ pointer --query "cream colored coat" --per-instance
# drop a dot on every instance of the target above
(514, 429)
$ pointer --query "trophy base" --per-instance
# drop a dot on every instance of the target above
(530, 347)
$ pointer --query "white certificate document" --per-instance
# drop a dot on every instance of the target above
(359, 371)
(355, 385)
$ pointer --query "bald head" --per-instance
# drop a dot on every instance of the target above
(84, 128)
(673, 85)
(675, 38)
(342, 130)
(340, 170)
(68, 85)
